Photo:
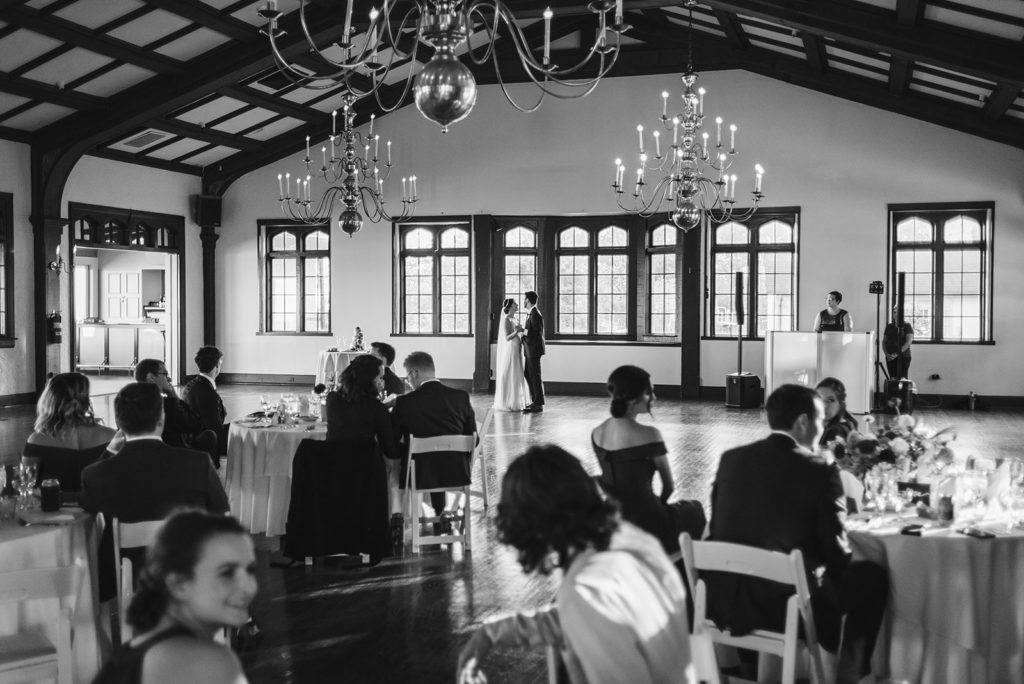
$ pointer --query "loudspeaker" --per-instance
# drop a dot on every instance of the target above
(208, 210)
(742, 390)
(739, 297)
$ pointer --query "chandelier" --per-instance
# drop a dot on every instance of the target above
(695, 176)
(444, 89)
(354, 181)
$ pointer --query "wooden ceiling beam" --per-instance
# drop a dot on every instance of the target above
(969, 52)
(900, 71)
(206, 134)
(68, 32)
(275, 104)
(909, 12)
(206, 16)
(142, 160)
(999, 101)
(817, 56)
(35, 90)
(733, 28)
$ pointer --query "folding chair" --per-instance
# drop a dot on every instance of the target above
(30, 656)
(478, 456)
(458, 445)
(128, 536)
(761, 563)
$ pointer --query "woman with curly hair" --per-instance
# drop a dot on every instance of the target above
(67, 436)
(619, 615)
(199, 577)
(354, 411)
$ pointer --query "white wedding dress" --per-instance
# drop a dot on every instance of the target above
(510, 390)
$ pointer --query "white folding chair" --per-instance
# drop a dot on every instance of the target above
(461, 444)
(478, 456)
(128, 536)
(771, 565)
(30, 656)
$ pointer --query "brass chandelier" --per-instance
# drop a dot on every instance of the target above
(355, 180)
(695, 178)
(444, 89)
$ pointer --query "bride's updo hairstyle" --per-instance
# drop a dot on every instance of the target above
(506, 305)
(625, 385)
(177, 549)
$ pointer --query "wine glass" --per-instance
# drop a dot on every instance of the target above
(26, 481)
(265, 402)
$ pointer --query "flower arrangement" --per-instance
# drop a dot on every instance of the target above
(914, 450)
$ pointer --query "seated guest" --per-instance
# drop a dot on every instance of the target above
(354, 412)
(199, 577)
(66, 437)
(201, 394)
(146, 479)
(838, 422)
(630, 453)
(619, 614)
(777, 494)
(386, 353)
(182, 425)
(432, 410)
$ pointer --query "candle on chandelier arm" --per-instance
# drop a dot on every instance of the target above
(618, 12)
(404, 193)
(380, 186)
(389, 153)
(639, 179)
(414, 187)
(288, 185)
(622, 175)
(732, 139)
(547, 35)
(657, 145)
(348, 21)
(280, 187)
(640, 134)
(307, 147)
(759, 174)
(376, 146)
(664, 104)
(373, 32)
(615, 176)
(704, 139)
(372, 117)
(334, 124)
(718, 133)
(675, 131)
(323, 152)
(332, 148)
(732, 195)
(700, 102)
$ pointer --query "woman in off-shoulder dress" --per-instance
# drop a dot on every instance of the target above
(510, 390)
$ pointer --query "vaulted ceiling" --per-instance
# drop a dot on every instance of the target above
(190, 85)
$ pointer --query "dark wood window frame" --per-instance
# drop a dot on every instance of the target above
(436, 225)
(937, 213)
(789, 215)
(268, 228)
(7, 338)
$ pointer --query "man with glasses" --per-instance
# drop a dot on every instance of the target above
(182, 425)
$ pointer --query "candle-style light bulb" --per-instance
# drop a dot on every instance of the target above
(700, 101)
(280, 186)
(547, 35)
(640, 134)
(657, 145)
(732, 139)
(664, 104)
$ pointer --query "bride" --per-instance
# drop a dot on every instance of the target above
(510, 390)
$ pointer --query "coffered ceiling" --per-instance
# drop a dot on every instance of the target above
(189, 85)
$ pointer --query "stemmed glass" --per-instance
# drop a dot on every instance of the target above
(265, 403)
(26, 472)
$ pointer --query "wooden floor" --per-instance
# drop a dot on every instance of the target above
(406, 619)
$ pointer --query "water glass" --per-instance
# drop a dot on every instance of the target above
(265, 402)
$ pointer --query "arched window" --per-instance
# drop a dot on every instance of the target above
(593, 279)
(662, 300)
(114, 233)
(297, 279)
(520, 263)
(435, 279)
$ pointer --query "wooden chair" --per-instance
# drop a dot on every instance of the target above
(458, 445)
(30, 656)
(478, 456)
(761, 563)
(134, 535)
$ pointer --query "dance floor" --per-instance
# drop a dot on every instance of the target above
(406, 619)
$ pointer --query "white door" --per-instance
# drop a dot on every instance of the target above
(122, 296)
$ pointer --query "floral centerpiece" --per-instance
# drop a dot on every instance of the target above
(913, 450)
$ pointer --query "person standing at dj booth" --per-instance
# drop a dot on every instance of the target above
(832, 318)
(896, 341)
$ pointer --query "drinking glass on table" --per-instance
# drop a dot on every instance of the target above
(24, 484)
(265, 402)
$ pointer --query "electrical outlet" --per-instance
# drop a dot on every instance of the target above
(934, 376)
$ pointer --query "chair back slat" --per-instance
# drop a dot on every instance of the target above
(423, 445)
(136, 534)
(744, 560)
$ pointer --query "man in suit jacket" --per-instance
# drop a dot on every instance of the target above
(432, 410)
(200, 393)
(386, 353)
(533, 346)
(182, 425)
(778, 494)
(146, 479)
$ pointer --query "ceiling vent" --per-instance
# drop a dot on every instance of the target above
(144, 139)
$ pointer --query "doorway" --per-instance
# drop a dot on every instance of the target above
(126, 293)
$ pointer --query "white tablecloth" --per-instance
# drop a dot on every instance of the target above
(25, 548)
(956, 607)
(259, 473)
(332, 362)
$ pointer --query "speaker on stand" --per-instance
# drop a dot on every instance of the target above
(742, 390)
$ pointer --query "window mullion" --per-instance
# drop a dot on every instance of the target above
(300, 306)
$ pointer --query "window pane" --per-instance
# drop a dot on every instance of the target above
(419, 238)
(774, 292)
(573, 237)
(455, 238)
(317, 294)
(283, 241)
(454, 294)
(914, 229)
(574, 294)
(612, 289)
(418, 295)
(774, 233)
(284, 301)
(519, 276)
(520, 238)
(612, 236)
(961, 229)
(726, 266)
(663, 236)
(317, 240)
(732, 234)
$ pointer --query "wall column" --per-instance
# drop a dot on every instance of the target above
(209, 239)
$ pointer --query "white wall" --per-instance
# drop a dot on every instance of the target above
(17, 364)
(840, 162)
(128, 186)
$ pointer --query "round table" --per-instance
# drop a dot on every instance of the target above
(259, 471)
(332, 362)
(42, 546)
(956, 604)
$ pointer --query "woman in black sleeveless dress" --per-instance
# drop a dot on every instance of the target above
(832, 318)
(198, 579)
(630, 453)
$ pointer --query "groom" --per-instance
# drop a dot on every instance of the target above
(533, 346)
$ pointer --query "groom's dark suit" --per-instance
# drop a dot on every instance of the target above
(774, 494)
(533, 345)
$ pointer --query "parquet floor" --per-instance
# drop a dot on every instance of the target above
(406, 619)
